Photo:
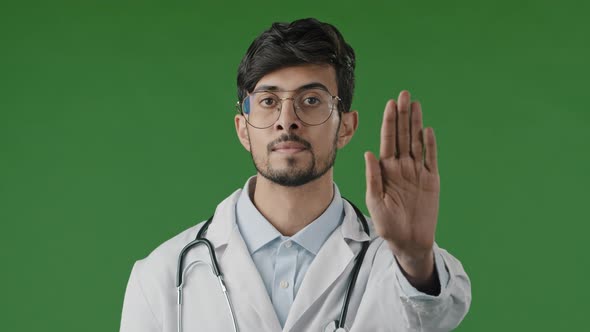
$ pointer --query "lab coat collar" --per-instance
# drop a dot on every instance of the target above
(352, 227)
(224, 221)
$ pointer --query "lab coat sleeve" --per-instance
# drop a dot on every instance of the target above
(445, 311)
(137, 315)
(410, 291)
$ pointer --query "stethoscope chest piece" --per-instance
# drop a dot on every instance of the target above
(331, 327)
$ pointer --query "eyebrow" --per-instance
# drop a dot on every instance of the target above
(313, 85)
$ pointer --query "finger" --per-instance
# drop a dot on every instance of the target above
(388, 131)
(373, 173)
(431, 163)
(416, 136)
(403, 124)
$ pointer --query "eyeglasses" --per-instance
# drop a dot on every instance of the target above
(263, 108)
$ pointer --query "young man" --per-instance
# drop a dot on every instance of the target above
(295, 256)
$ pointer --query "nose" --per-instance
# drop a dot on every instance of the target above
(288, 118)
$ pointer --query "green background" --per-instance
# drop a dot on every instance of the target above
(116, 133)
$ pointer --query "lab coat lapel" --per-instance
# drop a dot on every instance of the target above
(254, 310)
(329, 264)
(247, 288)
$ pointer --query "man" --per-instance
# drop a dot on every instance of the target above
(288, 243)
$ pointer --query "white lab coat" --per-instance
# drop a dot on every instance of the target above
(377, 303)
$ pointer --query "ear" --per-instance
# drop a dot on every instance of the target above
(348, 125)
(242, 131)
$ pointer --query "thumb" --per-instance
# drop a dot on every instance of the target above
(373, 174)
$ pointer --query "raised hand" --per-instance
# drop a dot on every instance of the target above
(403, 188)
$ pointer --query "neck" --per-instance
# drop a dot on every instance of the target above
(290, 209)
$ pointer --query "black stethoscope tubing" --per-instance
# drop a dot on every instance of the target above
(200, 239)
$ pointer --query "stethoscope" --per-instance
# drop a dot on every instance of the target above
(334, 326)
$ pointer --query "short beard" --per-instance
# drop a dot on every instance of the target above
(290, 178)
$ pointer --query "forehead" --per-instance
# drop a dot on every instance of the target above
(295, 77)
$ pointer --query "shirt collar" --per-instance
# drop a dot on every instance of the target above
(257, 231)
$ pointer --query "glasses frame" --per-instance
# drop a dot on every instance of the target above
(239, 105)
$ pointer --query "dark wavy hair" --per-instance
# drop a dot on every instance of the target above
(305, 41)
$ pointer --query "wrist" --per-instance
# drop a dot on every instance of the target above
(416, 265)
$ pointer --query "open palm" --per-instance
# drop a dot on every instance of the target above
(403, 187)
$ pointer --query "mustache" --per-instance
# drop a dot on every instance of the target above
(288, 138)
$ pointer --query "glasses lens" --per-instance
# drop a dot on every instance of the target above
(313, 106)
(262, 108)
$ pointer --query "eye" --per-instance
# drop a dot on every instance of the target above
(311, 101)
(267, 101)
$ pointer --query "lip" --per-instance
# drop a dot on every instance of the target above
(288, 151)
(288, 147)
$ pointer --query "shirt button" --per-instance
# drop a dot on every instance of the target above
(288, 244)
(284, 284)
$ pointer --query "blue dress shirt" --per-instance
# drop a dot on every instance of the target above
(290, 257)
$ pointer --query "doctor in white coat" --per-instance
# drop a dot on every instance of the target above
(295, 89)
